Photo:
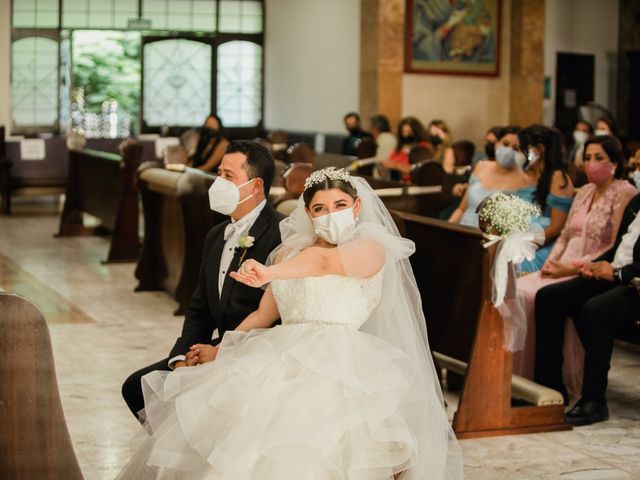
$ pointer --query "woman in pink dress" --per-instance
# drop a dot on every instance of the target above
(589, 231)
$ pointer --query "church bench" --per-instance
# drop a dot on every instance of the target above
(31, 177)
(103, 185)
(35, 441)
(19, 177)
(452, 270)
(177, 219)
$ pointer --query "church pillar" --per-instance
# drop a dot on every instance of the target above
(381, 59)
(527, 62)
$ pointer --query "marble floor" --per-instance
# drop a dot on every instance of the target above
(101, 331)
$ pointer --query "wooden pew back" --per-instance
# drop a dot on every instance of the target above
(450, 266)
(177, 219)
(34, 440)
(103, 185)
(452, 270)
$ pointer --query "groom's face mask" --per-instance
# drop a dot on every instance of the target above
(224, 195)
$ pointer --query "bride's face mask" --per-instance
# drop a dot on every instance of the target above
(333, 213)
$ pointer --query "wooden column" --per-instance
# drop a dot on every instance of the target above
(381, 59)
(527, 62)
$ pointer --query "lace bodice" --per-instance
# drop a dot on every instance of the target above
(329, 299)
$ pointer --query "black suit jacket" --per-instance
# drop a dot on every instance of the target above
(210, 310)
(633, 269)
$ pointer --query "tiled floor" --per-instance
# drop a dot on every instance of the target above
(111, 331)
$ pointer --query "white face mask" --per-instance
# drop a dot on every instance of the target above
(599, 132)
(636, 179)
(224, 195)
(333, 226)
(533, 157)
(580, 137)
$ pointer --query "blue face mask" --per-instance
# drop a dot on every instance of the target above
(636, 178)
(506, 157)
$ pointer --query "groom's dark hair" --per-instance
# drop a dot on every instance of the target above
(259, 163)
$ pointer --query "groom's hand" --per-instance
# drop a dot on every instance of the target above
(201, 353)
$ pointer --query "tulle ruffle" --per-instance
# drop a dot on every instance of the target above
(292, 402)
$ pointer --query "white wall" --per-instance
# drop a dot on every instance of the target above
(588, 27)
(312, 63)
(5, 63)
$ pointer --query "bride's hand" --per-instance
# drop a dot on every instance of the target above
(252, 273)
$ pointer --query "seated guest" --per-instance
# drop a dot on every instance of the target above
(582, 133)
(491, 138)
(456, 157)
(211, 145)
(385, 141)
(410, 133)
(503, 175)
(459, 154)
(589, 231)
(352, 124)
(606, 126)
(603, 307)
(440, 138)
(554, 192)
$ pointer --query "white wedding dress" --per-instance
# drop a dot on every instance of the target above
(311, 399)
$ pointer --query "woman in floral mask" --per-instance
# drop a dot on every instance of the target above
(590, 230)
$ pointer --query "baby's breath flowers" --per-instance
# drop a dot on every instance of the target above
(504, 213)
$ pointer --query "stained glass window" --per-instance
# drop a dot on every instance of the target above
(180, 15)
(35, 13)
(177, 82)
(240, 16)
(98, 13)
(34, 81)
(239, 94)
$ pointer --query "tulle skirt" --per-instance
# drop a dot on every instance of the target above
(295, 402)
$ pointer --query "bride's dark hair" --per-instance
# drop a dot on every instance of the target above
(328, 184)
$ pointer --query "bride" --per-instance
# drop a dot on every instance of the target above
(345, 388)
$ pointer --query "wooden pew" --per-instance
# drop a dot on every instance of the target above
(33, 177)
(177, 219)
(452, 270)
(103, 184)
(34, 440)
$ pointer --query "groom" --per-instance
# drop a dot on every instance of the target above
(219, 302)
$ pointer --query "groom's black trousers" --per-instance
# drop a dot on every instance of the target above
(132, 387)
(601, 311)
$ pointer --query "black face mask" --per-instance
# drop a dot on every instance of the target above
(490, 150)
(354, 130)
(435, 140)
(406, 139)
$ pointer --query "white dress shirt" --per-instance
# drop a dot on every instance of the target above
(233, 232)
(624, 252)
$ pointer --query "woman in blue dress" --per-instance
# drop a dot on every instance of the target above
(547, 170)
(505, 174)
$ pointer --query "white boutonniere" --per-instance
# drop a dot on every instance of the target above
(245, 242)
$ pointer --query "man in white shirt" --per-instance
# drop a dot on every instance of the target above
(604, 306)
(219, 302)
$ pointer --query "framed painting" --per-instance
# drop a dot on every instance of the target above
(453, 37)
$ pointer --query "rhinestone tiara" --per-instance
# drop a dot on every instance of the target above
(329, 173)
